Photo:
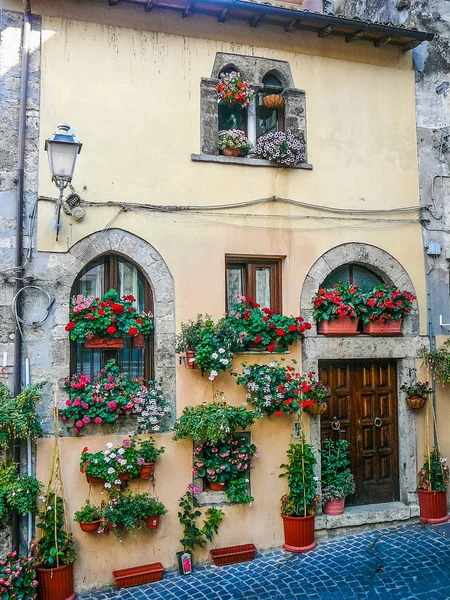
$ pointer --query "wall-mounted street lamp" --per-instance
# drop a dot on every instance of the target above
(63, 150)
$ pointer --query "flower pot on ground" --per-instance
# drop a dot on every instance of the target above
(89, 517)
(298, 506)
(55, 553)
(125, 578)
(416, 394)
(233, 554)
(431, 488)
(337, 479)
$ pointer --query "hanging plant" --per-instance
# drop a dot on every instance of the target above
(232, 89)
(438, 361)
(17, 492)
(18, 416)
(110, 317)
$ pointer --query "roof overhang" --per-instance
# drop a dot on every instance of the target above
(293, 18)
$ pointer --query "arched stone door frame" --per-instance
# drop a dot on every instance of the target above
(404, 349)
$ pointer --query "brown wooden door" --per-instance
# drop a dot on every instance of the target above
(364, 401)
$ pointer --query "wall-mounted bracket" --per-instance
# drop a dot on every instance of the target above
(443, 324)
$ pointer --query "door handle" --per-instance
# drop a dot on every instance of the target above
(377, 422)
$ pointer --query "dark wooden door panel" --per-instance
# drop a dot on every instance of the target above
(364, 401)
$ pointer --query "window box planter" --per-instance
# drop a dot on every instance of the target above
(233, 554)
(122, 477)
(90, 527)
(138, 575)
(189, 361)
(299, 533)
(214, 486)
(343, 326)
(56, 584)
(334, 507)
(393, 327)
(433, 506)
(416, 402)
(152, 522)
(147, 470)
(99, 342)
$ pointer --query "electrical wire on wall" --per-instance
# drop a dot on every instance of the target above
(14, 307)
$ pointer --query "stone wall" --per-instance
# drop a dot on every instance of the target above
(432, 67)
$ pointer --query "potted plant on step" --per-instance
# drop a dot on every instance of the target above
(337, 479)
(336, 309)
(416, 394)
(233, 142)
(56, 553)
(384, 308)
(431, 488)
(89, 517)
(298, 506)
(193, 536)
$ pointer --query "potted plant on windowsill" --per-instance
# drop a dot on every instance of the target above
(431, 488)
(193, 536)
(104, 322)
(416, 394)
(89, 517)
(232, 142)
(190, 337)
(384, 309)
(336, 309)
(281, 148)
(298, 506)
(55, 553)
(337, 479)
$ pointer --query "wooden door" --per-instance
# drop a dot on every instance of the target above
(364, 402)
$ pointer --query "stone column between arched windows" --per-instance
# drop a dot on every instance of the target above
(404, 349)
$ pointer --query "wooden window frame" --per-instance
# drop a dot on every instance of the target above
(249, 263)
(111, 265)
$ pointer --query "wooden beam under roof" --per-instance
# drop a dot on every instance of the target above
(224, 15)
(188, 10)
(325, 31)
(292, 25)
(411, 45)
(382, 41)
(150, 4)
(257, 20)
(352, 37)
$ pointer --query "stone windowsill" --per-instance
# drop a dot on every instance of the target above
(355, 516)
(244, 352)
(244, 161)
(212, 498)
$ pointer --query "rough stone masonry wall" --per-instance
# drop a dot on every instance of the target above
(432, 67)
(11, 24)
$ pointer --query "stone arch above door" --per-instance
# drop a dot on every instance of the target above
(372, 257)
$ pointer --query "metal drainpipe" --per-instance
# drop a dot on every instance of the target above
(19, 229)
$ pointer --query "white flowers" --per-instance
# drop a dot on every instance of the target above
(112, 455)
(108, 485)
(221, 351)
(244, 402)
(212, 375)
(111, 470)
(121, 451)
(214, 355)
(109, 445)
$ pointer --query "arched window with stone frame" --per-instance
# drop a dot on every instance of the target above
(112, 271)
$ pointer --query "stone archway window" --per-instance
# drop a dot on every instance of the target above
(360, 275)
(269, 120)
(100, 275)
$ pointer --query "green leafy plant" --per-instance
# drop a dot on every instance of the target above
(301, 500)
(416, 389)
(111, 395)
(126, 511)
(148, 450)
(214, 352)
(87, 513)
(237, 491)
(148, 506)
(18, 416)
(337, 479)
(434, 474)
(19, 492)
(55, 547)
(18, 577)
(191, 333)
(438, 361)
(193, 536)
(211, 422)
(110, 317)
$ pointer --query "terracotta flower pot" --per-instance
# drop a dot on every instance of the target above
(231, 151)
(214, 486)
(138, 575)
(233, 554)
(152, 522)
(416, 402)
(91, 479)
(189, 361)
(138, 341)
(334, 507)
(99, 342)
(316, 409)
(299, 533)
(124, 476)
(393, 327)
(56, 584)
(343, 326)
(433, 507)
(90, 527)
(273, 101)
(146, 470)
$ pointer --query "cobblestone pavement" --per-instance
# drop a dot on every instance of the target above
(397, 563)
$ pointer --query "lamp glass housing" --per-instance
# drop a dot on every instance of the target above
(62, 157)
